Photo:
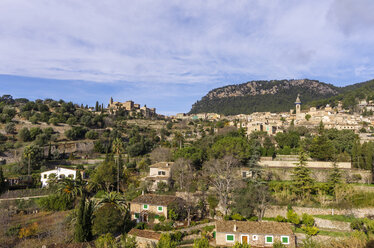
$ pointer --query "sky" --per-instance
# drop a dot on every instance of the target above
(168, 54)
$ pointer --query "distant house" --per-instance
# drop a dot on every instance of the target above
(60, 173)
(145, 238)
(257, 234)
(159, 172)
(145, 206)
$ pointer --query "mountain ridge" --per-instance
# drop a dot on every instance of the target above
(272, 96)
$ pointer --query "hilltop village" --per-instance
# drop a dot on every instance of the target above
(125, 176)
(273, 123)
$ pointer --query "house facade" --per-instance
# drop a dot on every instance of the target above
(60, 173)
(147, 207)
(159, 172)
(257, 234)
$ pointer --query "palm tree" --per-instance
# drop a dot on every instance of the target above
(117, 148)
(116, 199)
(70, 188)
(28, 152)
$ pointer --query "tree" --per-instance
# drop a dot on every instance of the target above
(117, 148)
(255, 197)
(220, 175)
(182, 173)
(2, 181)
(334, 179)
(115, 199)
(303, 183)
(104, 176)
(160, 154)
(10, 128)
(83, 226)
(24, 134)
(307, 117)
(107, 219)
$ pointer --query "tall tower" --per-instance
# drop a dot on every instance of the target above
(298, 105)
(111, 101)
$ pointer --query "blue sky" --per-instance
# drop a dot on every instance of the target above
(168, 54)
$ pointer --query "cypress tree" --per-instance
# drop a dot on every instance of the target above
(79, 228)
(2, 181)
(97, 106)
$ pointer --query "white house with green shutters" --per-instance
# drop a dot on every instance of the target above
(257, 234)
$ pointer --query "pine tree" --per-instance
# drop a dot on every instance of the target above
(303, 183)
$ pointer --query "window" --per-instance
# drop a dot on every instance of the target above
(145, 206)
(254, 237)
(244, 173)
(268, 239)
(161, 173)
(285, 240)
(160, 208)
(230, 238)
(45, 176)
(136, 215)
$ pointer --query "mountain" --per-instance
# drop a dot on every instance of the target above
(263, 96)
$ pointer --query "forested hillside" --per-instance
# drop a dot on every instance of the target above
(279, 95)
(260, 96)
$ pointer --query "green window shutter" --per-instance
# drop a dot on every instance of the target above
(285, 240)
(157, 216)
(137, 215)
(145, 206)
(214, 234)
(160, 208)
(269, 239)
(230, 237)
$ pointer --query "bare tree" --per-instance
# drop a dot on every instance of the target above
(182, 173)
(221, 174)
(160, 154)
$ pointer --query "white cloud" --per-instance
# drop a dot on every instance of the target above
(184, 42)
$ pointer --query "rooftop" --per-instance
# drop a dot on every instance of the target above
(276, 228)
(153, 199)
(145, 234)
(162, 165)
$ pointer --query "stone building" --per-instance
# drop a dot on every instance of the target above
(257, 234)
(149, 207)
(132, 108)
(159, 172)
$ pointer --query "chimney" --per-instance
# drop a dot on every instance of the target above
(142, 192)
(235, 227)
(167, 164)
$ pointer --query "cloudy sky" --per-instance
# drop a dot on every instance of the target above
(168, 54)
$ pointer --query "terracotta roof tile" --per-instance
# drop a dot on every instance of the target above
(162, 165)
(153, 199)
(271, 227)
(145, 234)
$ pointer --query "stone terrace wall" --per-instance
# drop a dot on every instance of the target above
(273, 211)
(320, 175)
(292, 163)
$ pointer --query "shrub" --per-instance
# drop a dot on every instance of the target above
(28, 231)
(106, 241)
(201, 243)
(280, 218)
(55, 202)
(13, 231)
(293, 217)
(162, 218)
(76, 133)
(310, 230)
(278, 244)
(10, 128)
(91, 135)
(237, 217)
(307, 220)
